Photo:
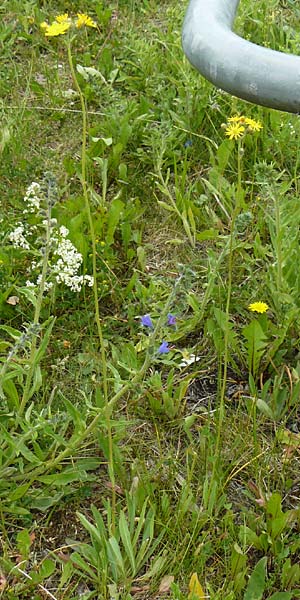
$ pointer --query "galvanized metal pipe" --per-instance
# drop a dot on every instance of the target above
(244, 69)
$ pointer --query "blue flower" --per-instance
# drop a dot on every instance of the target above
(171, 319)
(188, 143)
(146, 321)
(164, 348)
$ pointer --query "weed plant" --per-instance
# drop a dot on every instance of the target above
(150, 373)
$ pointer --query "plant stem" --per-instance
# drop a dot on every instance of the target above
(37, 312)
(278, 241)
(239, 204)
(95, 288)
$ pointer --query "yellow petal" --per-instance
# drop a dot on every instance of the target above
(196, 589)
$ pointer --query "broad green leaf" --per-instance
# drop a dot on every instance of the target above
(256, 585)
(12, 394)
(264, 408)
(63, 478)
(46, 569)
(24, 543)
(273, 506)
(238, 567)
(18, 492)
(256, 345)
(281, 596)
(45, 502)
(113, 218)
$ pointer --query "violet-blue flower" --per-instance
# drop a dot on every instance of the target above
(164, 348)
(171, 319)
(146, 321)
(188, 143)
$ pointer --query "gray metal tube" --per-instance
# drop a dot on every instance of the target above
(251, 72)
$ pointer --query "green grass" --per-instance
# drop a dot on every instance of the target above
(124, 471)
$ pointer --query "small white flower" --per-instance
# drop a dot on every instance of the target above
(89, 280)
(17, 238)
(32, 198)
(63, 231)
(192, 358)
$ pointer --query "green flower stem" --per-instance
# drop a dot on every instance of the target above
(239, 203)
(36, 318)
(240, 200)
(276, 198)
(95, 288)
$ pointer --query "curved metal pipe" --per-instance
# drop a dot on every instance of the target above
(251, 72)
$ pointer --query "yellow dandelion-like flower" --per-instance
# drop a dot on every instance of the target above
(259, 307)
(236, 119)
(84, 20)
(253, 125)
(44, 25)
(62, 18)
(57, 29)
(234, 131)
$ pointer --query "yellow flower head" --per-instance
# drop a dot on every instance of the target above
(236, 119)
(57, 29)
(259, 307)
(62, 18)
(83, 19)
(234, 131)
(253, 125)
(44, 25)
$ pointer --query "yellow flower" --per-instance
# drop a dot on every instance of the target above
(234, 131)
(253, 125)
(259, 307)
(236, 119)
(57, 29)
(83, 19)
(62, 18)
(44, 25)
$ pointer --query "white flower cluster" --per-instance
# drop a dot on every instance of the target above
(68, 263)
(33, 198)
(64, 259)
(17, 238)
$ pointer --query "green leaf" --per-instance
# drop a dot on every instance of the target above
(11, 391)
(81, 565)
(45, 502)
(23, 543)
(256, 584)
(18, 492)
(44, 344)
(256, 344)
(63, 478)
(115, 555)
(125, 536)
(207, 234)
(166, 206)
(281, 596)
(265, 408)
(93, 531)
(114, 215)
(46, 569)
